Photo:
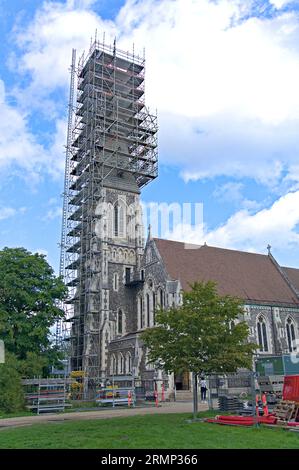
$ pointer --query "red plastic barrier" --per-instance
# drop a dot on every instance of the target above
(291, 388)
(270, 419)
(293, 423)
(265, 405)
(239, 423)
(243, 420)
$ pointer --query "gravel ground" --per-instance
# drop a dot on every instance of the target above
(104, 413)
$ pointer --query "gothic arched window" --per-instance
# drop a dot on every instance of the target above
(113, 365)
(115, 282)
(110, 220)
(141, 312)
(291, 336)
(121, 363)
(262, 334)
(161, 299)
(119, 219)
(148, 309)
(120, 322)
(128, 363)
(154, 308)
(115, 220)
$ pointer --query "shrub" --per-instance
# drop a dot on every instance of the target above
(11, 390)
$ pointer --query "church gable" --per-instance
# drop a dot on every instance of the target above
(293, 276)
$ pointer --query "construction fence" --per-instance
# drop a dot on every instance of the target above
(57, 394)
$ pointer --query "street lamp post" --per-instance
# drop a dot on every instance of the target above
(195, 395)
(253, 393)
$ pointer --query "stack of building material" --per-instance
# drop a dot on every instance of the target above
(272, 384)
(291, 388)
(229, 403)
(286, 411)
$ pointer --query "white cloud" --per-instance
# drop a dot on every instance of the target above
(46, 52)
(225, 145)
(17, 144)
(7, 212)
(252, 232)
(20, 149)
(53, 213)
(232, 193)
(229, 192)
(275, 225)
(280, 3)
(48, 41)
(226, 90)
(52, 201)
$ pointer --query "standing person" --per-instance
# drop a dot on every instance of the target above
(203, 389)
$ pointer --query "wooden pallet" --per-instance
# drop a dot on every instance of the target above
(286, 410)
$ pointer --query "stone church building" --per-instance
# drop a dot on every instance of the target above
(116, 281)
(270, 293)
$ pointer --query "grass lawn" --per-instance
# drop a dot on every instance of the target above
(148, 432)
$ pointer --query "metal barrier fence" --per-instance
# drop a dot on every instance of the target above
(116, 396)
(235, 384)
(44, 395)
(55, 394)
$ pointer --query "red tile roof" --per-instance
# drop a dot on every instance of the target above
(293, 275)
(249, 276)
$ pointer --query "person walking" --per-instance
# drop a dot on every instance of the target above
(203, 389)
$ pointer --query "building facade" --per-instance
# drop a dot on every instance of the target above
(116, 280)
(270, 294)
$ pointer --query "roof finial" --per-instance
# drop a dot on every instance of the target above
(269, 249)
(149, 232)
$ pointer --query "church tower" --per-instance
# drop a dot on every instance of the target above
(112, 154)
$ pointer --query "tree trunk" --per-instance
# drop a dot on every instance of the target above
(195, 395)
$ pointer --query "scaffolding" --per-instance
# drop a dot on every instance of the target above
(61, 326)
(113, 134)
(46, 395)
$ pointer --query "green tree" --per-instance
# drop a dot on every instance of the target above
(11, 390)
(201, 335)
(29, 306)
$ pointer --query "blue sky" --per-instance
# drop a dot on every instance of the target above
(223, 75)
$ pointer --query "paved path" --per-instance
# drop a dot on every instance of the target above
(172, 407)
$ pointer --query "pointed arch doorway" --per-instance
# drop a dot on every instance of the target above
(182, 381)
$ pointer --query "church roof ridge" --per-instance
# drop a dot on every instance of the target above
(250, 276)
(205, 245)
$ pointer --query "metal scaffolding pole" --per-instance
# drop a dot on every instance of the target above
(59, 336)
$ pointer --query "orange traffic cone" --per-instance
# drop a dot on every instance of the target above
(265, 405)
(129, 398)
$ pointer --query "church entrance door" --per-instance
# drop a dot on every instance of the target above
(182, 381)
